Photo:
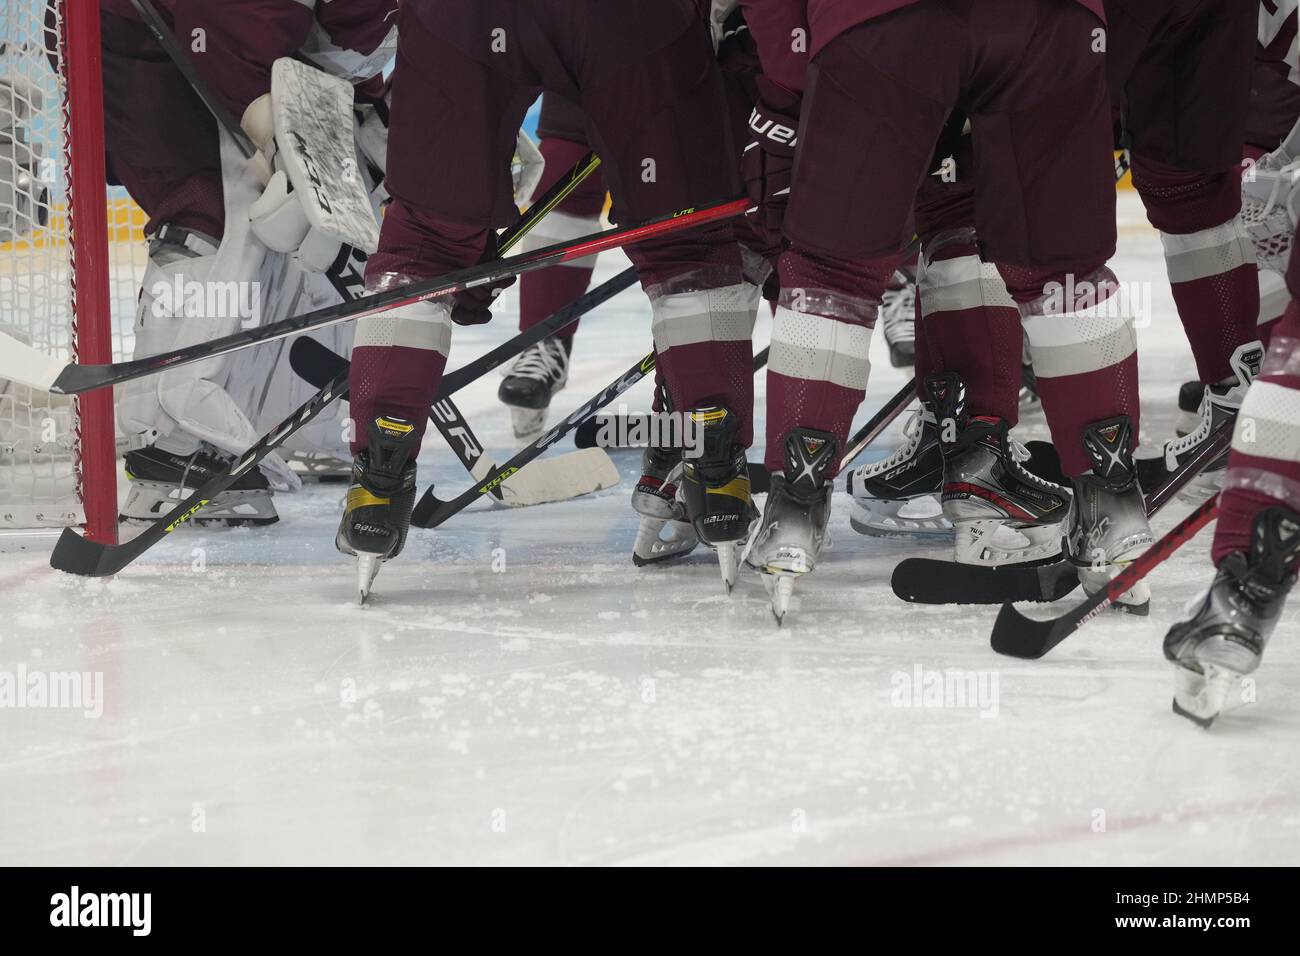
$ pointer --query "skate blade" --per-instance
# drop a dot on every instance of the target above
(367, 570)
(782, 592)
(894, 521)
(1200, 696)
(728, 564)
(993, 543)
(652, 547)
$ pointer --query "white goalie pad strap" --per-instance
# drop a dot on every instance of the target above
(1210, 252)
(421, 325)
(314, 130)
(559, 227)
(961, 283)
(724, 314)
(1087, 340)
(820, 349)
(1268, 425)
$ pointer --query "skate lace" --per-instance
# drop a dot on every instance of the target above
(1020, 455)
(912, 431)
(898, 313)
(546, 362)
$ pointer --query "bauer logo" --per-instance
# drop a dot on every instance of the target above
(951, 688)
(131, 911)
(23, 689)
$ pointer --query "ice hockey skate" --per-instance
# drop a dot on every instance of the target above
(1217, 404)
(1225, 636)
(160, 480)
(900, 495)
(377, 515)
(898, 318)
(715, 486)
(533, 379)
(1107, 526)
(664, 532)
(789, 539)
(1001, 512)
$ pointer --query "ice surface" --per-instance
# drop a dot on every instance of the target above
(567, 708)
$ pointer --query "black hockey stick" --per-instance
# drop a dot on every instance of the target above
(431, 511)
(21, 363)
(1015, 635)
(879, 422)
(929, 581)
(588, 434)
(77, 555)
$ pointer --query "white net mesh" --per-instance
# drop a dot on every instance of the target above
(40, 483)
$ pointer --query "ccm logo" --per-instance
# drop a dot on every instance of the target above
(777, 132)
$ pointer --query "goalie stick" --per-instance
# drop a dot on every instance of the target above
(553, 479)
(1015, 635)
(77, 555)
(25, 365)
(930, 581)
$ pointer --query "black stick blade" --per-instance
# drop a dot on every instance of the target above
(77, 555)
(928, 581)
(1015, 635)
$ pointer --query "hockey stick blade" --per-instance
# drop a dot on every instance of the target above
(74, 379)
(78, 555)
(927, 581)
(1015, 635)
(431, 511)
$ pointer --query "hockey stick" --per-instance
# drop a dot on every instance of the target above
(554, 479)
(879, 422)
(588, 433)
(1015, 635)
(27, 366)
(431, 511)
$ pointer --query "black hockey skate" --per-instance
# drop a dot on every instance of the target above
(790, 537)
(540, 371)
(380, 498)
(665, 532)
(1226, 635)
(1108, 525)
(1217, 404)
(160, 480)
(1001, 512)
(715, 486)
(900, 495)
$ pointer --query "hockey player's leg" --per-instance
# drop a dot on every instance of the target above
(667, 145)
(1215, 284)
(1257, 542)
(543, 370)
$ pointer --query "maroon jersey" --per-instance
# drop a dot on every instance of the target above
(235, 42)
(772, 20)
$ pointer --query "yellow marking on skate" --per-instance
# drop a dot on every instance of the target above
(736, 488)
(358, 497)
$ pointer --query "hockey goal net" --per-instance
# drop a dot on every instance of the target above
(71, 259)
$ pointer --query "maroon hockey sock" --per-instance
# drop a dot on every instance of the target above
(970, 326)
(1084, 352)
(544, 293)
